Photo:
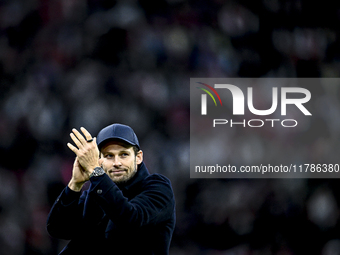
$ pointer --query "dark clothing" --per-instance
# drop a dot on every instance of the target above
(136, 218)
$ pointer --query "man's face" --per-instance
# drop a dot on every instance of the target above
(119, 161)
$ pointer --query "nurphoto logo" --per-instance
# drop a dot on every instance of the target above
(264, 127)
(204, 97)
(238, 105)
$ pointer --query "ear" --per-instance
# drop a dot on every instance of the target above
(139, 157)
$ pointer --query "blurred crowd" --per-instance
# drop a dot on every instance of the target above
(73, 63)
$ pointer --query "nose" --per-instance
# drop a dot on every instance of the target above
(116, 162)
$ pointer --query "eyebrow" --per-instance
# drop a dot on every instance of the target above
(120, 151)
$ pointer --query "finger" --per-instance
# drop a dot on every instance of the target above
(72, 148)
(76, 162)
(79, 165)
(86, 133)
(79, 136)
(76, 140)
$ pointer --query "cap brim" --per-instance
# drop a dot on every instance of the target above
(102, 143)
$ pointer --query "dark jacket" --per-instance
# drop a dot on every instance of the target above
(137, 218)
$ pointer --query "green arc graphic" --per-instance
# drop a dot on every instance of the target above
(208, 94)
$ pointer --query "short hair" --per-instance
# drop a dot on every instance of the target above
(135, 149)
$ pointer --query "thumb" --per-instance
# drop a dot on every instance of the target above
(100, 161)
(76, 161)
(95, 142)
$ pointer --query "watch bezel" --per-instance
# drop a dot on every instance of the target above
(97, 171)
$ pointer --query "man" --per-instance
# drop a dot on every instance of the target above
(125, 210)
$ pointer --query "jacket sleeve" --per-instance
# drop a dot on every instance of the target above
(65, 215)
(154, 204)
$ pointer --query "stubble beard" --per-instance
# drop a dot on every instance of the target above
(125, 177)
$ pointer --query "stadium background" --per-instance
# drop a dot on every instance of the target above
(73, 63)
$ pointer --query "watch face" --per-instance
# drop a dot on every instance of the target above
(97, 172)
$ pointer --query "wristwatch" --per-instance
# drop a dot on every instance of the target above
(98, 171)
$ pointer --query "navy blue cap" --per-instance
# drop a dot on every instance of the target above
(117, 131)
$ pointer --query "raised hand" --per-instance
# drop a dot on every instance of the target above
(79, 176)
(86, 149)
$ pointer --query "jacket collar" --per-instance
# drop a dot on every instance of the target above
(142, 173)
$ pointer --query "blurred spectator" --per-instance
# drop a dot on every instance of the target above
(66, 64)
